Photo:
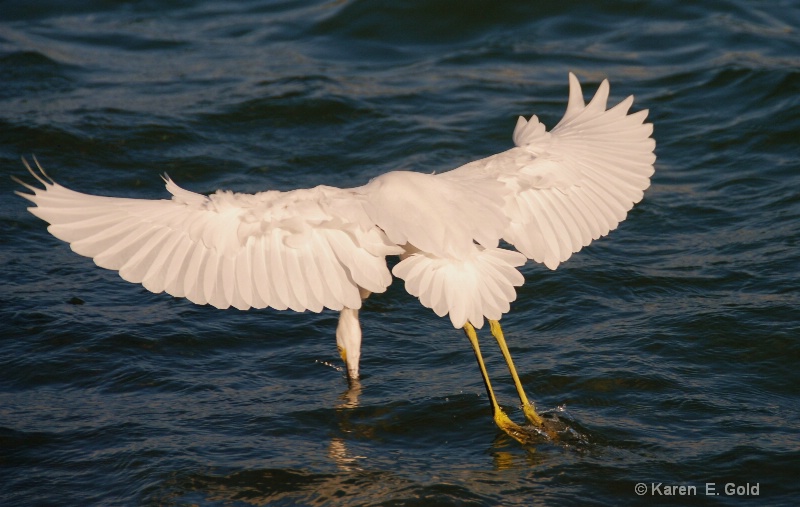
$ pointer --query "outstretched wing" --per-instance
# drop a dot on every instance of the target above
(305, 249)
(549, 196)
(570, 186)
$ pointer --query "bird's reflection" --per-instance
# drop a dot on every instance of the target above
(350, 396)
(338, 450)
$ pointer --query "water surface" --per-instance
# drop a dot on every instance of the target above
(671, 347)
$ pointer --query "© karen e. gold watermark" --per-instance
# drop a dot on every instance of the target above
(708, 489)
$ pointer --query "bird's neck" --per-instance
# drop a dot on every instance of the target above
(348, 339)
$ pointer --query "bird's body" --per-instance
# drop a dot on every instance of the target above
(326, 247)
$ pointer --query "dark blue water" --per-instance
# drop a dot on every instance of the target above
(671, 348)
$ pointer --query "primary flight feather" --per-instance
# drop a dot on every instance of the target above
(325, 247)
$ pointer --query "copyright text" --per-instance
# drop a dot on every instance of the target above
(708, 489)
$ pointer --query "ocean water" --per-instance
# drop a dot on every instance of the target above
(671, 348)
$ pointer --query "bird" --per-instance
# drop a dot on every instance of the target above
(460, 235)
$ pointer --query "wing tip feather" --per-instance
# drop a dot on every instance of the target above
(41, 171)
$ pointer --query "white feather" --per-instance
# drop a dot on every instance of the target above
(228, 249)
(324, 247)
(574, 184)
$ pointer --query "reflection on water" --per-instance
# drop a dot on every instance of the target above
(354, 475)
(350, 396)
(338, 451)
(506, 460)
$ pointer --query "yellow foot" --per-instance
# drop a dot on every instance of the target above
(532, 417)
(510, 427)
(525, 434)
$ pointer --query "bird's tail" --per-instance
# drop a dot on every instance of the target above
(468, 289)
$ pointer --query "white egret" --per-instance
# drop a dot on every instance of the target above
(324, 247)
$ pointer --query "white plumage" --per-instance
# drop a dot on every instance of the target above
(324, 247)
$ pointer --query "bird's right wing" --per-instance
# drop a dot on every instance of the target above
(305, 249)
(572, 185)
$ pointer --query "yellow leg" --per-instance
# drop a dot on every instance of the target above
(500, 417)
(527, 407)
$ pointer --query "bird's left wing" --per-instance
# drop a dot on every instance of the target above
(305, 249)
(572, 185)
